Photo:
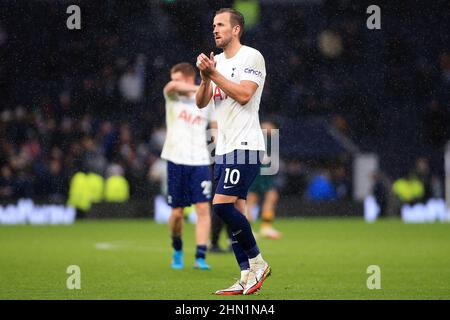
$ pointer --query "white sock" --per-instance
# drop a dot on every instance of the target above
(256, 260)
(244, 275)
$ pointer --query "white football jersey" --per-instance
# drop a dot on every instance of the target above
(238, 125)
(186, 139)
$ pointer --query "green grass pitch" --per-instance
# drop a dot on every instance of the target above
(318, 258)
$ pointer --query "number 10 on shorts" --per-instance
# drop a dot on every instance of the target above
(233, 175)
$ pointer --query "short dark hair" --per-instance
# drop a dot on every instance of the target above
(185, 68)
(236, 18)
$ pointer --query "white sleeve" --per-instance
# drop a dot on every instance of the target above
(254, 68)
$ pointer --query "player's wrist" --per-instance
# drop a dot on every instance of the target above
(213, 74)
(205, 80)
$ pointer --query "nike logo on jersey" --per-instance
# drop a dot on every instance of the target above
(228, 187)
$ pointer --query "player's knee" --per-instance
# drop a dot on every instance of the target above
(222, 209)
(272, 196)
(222, 198)
(241, 206)
(202, 209)
(252, 198)
(177, 213)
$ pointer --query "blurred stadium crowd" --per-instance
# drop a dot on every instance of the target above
(90, 99)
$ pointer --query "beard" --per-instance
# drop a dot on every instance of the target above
(223, 42)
